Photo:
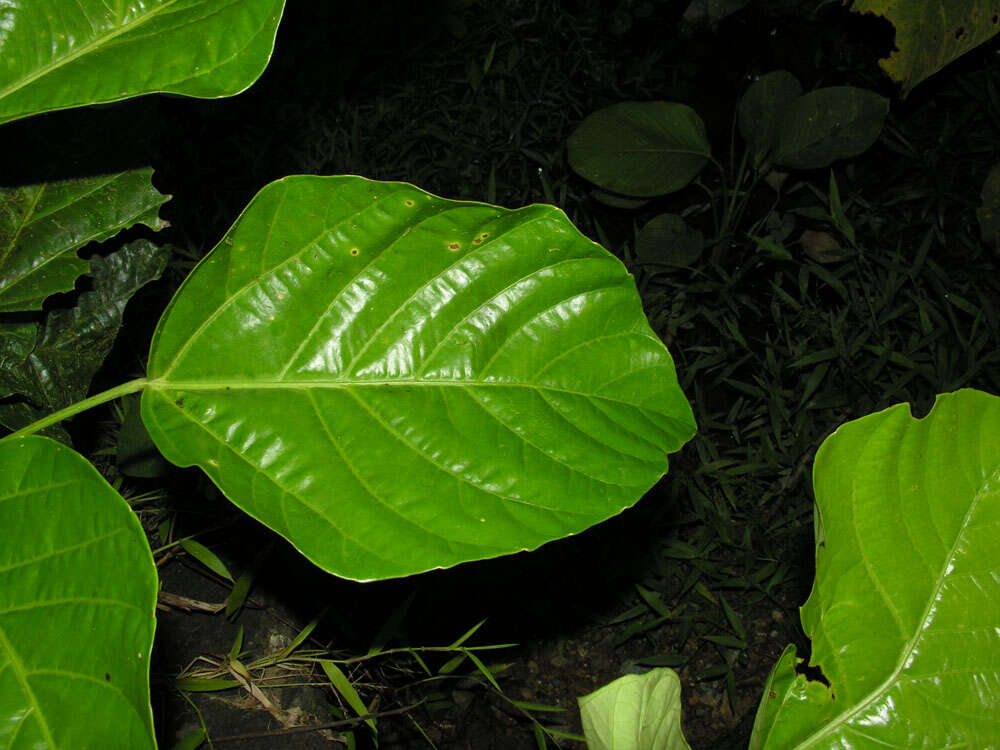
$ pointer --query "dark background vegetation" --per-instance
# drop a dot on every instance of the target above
(706, 572)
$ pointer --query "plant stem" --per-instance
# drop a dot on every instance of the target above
(88, 403)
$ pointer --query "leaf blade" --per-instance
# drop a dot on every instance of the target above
(411, 337)
(58, 54)
(906, 599)
(75, 651)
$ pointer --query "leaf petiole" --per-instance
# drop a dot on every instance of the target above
(88, 403)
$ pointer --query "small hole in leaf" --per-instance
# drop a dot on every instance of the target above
(107, 677)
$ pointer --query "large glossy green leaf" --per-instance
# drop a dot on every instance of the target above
(43, 226)
(904, 612)
(818, 128)
(77, 599)
(71, 344)
(931, 33)
(56, 54)
(396, 382)
(635, 712)
(640, 148)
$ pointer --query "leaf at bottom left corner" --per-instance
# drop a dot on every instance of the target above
(77, 603)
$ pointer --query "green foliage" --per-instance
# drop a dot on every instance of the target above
(640, 149)
(931, 33)
(825, 125)
(635, 712)
(51, 362)
(75, 639)
(418, 355)
(760, 109)
(58, 54)
(43, 226)
(771, 383)
(648, 149)
(905, 577)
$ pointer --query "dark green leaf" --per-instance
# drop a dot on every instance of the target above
(817, 129)
(760, 110)
(137, 455)
(668, 239)
(72, 343)
(641, 149)
(42, 227)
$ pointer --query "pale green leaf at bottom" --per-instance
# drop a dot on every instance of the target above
(635, 712)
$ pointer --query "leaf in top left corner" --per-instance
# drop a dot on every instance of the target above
(43, 226)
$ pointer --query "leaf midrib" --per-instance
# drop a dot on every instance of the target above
(209, 386)
(843, 719)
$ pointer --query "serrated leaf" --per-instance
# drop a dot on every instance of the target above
(903, 614)
(931, 33)
(640, 149)
(56, 54)
(43, 226)
(77, 600)
(635, 712)
(396, 382)
(818, 128)
(71, 344)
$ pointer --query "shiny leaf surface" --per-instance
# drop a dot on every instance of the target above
(43, 226)
(71, 344)
(903, 614)
(635, 712)
(396, 382)
(77, 598)
(56, 54)
(640, 149)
